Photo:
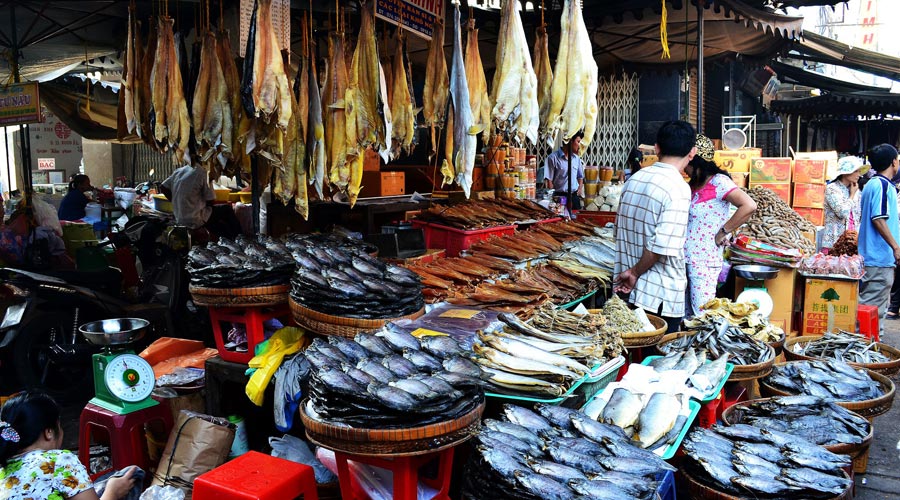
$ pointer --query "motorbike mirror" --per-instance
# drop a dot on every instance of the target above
(134, 231)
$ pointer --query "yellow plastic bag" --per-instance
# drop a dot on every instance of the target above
(282, 343)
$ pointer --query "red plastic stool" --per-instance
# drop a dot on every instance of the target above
(734, 393)
(406, 474)
(256, 476)
(127, 440)
(252, 318)
(709, 411)
(867, 317)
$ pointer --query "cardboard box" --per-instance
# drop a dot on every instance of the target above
(824, 295)
(810, 171)
(781, 288)
(742, 179)
(382, 184)
(733, 161)
(371, 161)
(649, 160)
(814, 215)
(782, 189)
(809, 195)
(477, 179)
(830, 158)
(770, 170)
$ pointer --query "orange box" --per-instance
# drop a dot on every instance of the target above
(371, 161)
(810, 171)
(814, 215)
(782, 189)
(770, 170)
(383, 184)
(809, 195)
(733, 161)
(477, 179)
(742, 179)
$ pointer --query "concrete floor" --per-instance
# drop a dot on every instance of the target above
(882, 479)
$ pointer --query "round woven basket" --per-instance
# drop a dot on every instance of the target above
(634, 340)
(778, 345)
(392, 442)
(740, 372)
(699, 491)
(734, 415)
(258, 296)
(326, 324)
(888, 369)
(869, 408)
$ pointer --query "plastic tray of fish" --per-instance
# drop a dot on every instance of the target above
(710, 395)
(593, 380)
(665, 452)
(577, 301)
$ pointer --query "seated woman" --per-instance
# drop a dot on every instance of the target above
(31, 463)
(74, 203)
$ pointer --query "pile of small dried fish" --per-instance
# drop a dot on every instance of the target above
(809, 417)
(842, 346)
(741, 314)
(519, 246)
(522, 359)
(241, 263)
(829, 380)
(765, 463)
(558, 454)
(619, 317)
(391, 379)
(719, 337)
(350, 283)
(651, 420)
(702, 375)
(478, 214)
(776, 223)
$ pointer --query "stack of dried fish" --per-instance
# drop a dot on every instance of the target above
(842, 346)
(403, 102)
(211, 107)
(764, 462)
(571, 230)
(170, 123)
(441, 277)
(558, 454)
(741, 314)
(240, 263)
(653, 421)
(437, 84)
(334, 116)
(829, 380)
(479, 100)
(814, 419)
(391, 379)
(352, 284)
(523, 359)
(719, 337)
(593, 254)
(336, 238)
(573, 95)
(619, 317)
(514, 90)
(474, 214)
(702, 375)
(518, 247)
(776, 223)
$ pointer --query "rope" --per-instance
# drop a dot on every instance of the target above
(663, 33)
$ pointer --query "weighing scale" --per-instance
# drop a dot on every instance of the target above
(756, 292)
(123, 381)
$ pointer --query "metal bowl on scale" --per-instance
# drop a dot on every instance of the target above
(117, 331)
(755, 272)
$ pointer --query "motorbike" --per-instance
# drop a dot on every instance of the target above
(39, 338)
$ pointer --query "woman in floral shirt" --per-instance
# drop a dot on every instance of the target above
(31, 464)
(842, 201)
(712, 195)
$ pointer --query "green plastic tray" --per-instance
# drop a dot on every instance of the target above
(577, 301)
(714, 392)
(594, 383)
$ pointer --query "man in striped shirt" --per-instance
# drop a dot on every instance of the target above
(651, 226)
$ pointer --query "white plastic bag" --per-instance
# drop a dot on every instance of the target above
(157, 492)
(294, 449)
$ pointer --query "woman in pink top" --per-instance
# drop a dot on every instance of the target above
(713, 193)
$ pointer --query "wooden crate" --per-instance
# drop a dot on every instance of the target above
(383, 184)
(371, 161)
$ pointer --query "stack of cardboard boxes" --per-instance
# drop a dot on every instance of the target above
(737, 163)
(800, 183)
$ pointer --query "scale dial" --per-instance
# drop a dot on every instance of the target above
(129, 377)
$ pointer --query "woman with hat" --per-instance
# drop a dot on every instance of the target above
(713, 193)
(842, 201)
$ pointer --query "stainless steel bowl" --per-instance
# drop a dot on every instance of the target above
(117, 331)
(755, 272)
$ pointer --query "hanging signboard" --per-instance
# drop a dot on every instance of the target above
(46, 163)
(281, 23)
(417, 16)
(20, 103)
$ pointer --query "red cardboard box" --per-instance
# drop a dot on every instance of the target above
(782, 189)
(770, 170)
(814, 215)
(810, 171)
(809, 195)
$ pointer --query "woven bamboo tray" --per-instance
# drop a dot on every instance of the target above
(634, 340)
(392, 442)
(258, 296)
(888, 369)
(733, 415)
(699, 491)
(326, 324)
(740, 372)
(778, 345)
(869, 408)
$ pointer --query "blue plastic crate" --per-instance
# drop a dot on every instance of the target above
(666, 488)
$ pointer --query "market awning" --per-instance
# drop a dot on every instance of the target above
(797, 75)
(865, 103)
(818, 48)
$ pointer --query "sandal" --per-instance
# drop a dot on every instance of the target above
(891, 315)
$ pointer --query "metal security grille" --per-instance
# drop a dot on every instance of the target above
(139, 160)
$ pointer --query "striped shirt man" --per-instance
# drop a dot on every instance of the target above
(653, 215)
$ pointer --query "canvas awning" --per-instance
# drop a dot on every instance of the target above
(818, 48)
(797, 75)
(852, 104)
